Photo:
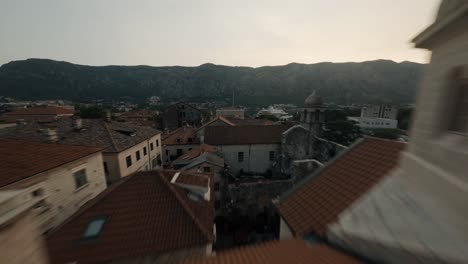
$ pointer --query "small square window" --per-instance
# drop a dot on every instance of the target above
(37, 192)
(128, 159)
(190, 140)
(179, 152)
(217, 204)
(157, 143)
(145, 152)
(151, 146)
(80, 178)
(216, 186)
(137, 154)
(206, 169)
(272, 155)
(240, 156)
(178, 140)
(94, 228)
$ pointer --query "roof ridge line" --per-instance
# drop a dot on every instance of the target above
(111, 137)
(186, 207)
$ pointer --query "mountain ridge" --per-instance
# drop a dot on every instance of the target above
(377, 81)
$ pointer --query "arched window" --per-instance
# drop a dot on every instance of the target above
(459, 115)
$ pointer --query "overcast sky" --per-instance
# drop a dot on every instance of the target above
(230, 32)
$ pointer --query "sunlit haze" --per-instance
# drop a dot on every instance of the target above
(242, 32)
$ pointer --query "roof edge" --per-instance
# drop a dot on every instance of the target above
(435, 28)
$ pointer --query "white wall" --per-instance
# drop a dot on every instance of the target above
(145, 162)
(256, 157)
(365, 122)
(285, 231)
(58, 188)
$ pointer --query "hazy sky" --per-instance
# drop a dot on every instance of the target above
(230, 32)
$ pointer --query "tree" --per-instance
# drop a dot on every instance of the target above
(268, 117)
(343, 132)
(90, 112)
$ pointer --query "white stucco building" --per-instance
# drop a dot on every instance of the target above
(372, 123)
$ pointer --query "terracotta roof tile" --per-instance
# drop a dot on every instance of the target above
(316, 203)
(190, 179)
(181, 136)
(21, 159)
(280, 252)
(114, 136)
(197, 151)
(145, 215)
(42, 110)
(227, 135)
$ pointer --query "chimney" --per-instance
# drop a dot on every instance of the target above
(50, 133)
(77, 123)
(108, 116)
(20, 122)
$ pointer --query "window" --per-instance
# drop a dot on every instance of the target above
(128, 159)
(137, 154)
(157, 142)
(178, 140)
(206, 169)
(179, 152)
(145, 151)
(94, 228)
(272, 155)
(106, 170)
(216, 186)
(189, 149)
(37, 192)
(167, 152)
(80, 178)
(217, 205)
(240, 156)
(190, 140)
(152, 146)
(459, 118)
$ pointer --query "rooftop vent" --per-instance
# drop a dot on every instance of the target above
(127, 132)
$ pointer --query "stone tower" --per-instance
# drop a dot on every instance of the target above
(313, 116)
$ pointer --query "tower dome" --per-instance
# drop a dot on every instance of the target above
(313, 101)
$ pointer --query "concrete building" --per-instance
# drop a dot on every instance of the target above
(247, 149)
(21, 239)
(149, 217)
(233, 112)
(181, 114)
(61, 178)
(379, 111)
(374, 123)
(178, 142)
(127, 148)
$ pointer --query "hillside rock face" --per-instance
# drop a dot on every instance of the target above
(378, 81)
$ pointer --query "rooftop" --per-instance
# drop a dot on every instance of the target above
(181, 136)
(42, 110)
(143, 214)
(279, 252)
(197, 151)
(114, 136)
(238, 135)
(23, 159)
(322, 197)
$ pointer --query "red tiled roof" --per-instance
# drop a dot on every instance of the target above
(281, 252)
(238, 135)
(190, 179)
(250, 122)
(42, 110)
(145, 215)
(315, 204)
(181, 133)
(197, 151)
(22, 159)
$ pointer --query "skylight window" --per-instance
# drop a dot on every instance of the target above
(94, 227)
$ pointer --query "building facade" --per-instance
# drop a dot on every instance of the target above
(374, 123)
(379, 111)
(64, 177)
(181, 114)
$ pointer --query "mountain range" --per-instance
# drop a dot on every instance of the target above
(379, 81)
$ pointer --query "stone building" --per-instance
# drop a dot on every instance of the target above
(178, 142)
(303, 141)
(127, 148)
(21, 239)
(181, 114)
(60, 178)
